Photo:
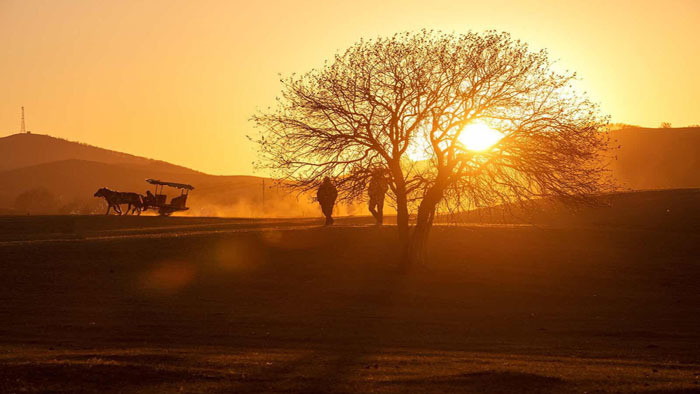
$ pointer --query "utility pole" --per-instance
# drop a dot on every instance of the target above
(263, 196)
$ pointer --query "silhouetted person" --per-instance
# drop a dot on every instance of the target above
(326, 195)
(149, 200)
(377, 190)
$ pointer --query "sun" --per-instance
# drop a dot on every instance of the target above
(478, 136)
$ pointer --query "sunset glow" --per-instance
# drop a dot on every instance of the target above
(182, 81)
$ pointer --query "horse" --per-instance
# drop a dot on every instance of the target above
(134, 199)
(114, 199)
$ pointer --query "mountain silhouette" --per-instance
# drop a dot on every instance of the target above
(646, 159)
(23, 150)
(71, 172)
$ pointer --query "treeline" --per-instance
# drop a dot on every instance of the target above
(40, 201)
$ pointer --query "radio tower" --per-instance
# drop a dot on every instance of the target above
(23, 129)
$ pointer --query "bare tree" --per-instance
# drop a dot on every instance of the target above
(665, 125)
(381, 99)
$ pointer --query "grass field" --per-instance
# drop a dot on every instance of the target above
(146, 304)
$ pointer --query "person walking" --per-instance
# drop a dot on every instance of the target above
(326, 196)
(377, 190)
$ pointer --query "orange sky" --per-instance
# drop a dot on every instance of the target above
(178, 80)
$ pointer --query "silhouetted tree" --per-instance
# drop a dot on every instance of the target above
(665, 125)
(384, 98)
(36, 201)
(620, 126)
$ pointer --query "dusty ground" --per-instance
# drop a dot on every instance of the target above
(115, 304)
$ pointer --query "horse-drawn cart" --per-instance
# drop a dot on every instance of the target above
(157, 200)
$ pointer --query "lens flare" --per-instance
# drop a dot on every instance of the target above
(168, 276)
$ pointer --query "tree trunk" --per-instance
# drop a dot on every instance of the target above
(417, 247)
(401, 203)
(402, 214)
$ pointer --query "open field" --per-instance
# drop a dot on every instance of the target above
(147, 304)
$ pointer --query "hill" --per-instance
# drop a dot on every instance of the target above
(671, 209)
(73, 182)
(657, 158)
(70, 172)
(23, 150)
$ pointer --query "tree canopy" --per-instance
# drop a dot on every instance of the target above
(382, 99)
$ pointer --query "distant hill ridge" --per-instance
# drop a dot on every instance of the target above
(66, 176)
(669, 209)
(71, 172)
(646, 159)
(24, 150)
(663, 158)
